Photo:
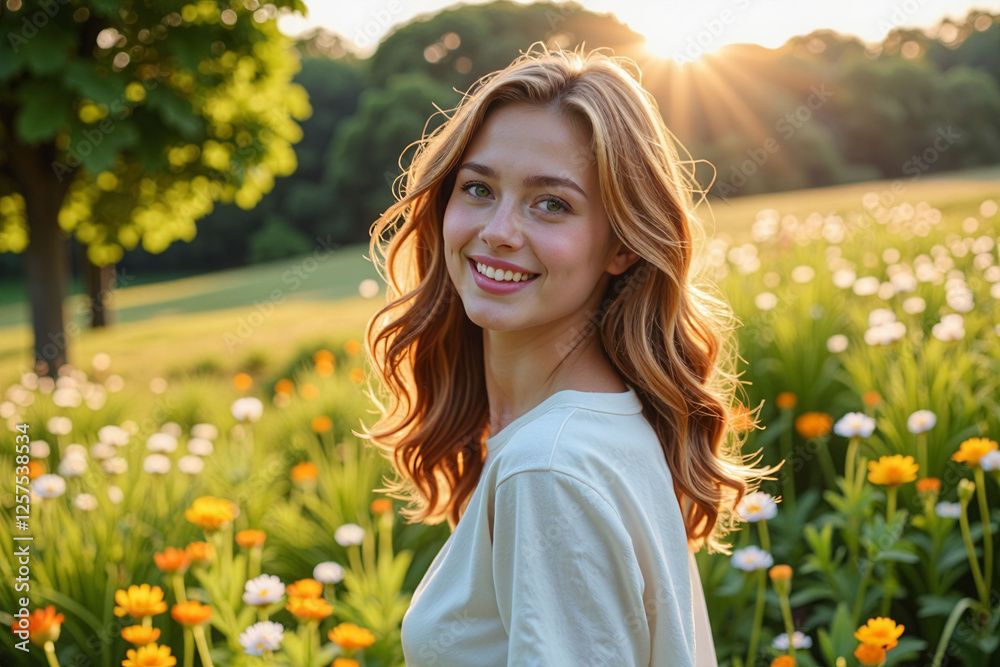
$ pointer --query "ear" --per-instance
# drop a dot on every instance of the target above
(622, 260)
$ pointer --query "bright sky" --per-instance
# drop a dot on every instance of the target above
(679, 28)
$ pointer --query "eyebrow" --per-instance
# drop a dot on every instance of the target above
(529, 181)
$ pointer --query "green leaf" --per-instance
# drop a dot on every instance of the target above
(175, 112)
(47, 50)
(937, 605)
(81, 77)
(899, 556)
(97, 146)
(45, 108)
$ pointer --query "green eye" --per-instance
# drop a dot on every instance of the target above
(480, 190)
(549, 203)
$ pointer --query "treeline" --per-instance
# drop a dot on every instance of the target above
(822, 109)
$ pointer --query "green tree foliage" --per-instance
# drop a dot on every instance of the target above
(123, 122)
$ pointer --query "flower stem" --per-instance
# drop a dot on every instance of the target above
(758, 616)
(890, 503)
(984, 518)
(826, 465)
(50, 654)
(922, 453)
(786, 613)
(255, 557)
(199, 638)
(178, 582)
(765, 539)
(188, 648)
(949, 627)
(852, 452)
(970, 549)
(859, 598)
(787, 478)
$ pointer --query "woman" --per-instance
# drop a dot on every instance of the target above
(555, 384)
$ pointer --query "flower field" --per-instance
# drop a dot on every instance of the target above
(233, 520)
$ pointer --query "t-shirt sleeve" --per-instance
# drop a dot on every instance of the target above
(568, 585)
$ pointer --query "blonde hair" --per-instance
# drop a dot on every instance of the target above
(664, 335)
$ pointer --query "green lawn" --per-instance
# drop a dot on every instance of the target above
(264, 313)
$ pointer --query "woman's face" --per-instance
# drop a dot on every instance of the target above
(527, 197)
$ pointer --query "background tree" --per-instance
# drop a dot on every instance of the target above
(123, 122)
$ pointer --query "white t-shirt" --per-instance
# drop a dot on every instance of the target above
(571, 551)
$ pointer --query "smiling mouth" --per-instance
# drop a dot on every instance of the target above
(502, 276)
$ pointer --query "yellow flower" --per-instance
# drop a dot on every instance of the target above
(324, 368)
(140, 635)
(306, 609)
(892, 470)
(973, 449)
(870, 655)
(323, 357)
(242, 381)
(250, 538)
(209, 513)
(305, 588)
(140, 601)
(345, 662)
(190, 613)
(284, 386)
(350, 636)
(149, 656)
(813, 424)
(882, 632)
(309, 391)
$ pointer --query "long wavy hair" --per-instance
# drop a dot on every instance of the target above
(668, 337)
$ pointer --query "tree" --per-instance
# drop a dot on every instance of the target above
(124, 121)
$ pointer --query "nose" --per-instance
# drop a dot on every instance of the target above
(503, 227)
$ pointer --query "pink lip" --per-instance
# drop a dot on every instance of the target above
(494, 287)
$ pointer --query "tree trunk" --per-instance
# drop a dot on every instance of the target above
(45, 258)
(98, 281)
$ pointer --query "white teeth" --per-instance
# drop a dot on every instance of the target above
(502, 276)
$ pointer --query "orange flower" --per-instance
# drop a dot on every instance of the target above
(309, 391)
(242, 381)
(357, 375)
(783, 661)
(973, 449)
(190, 613)
(928, 485)
(350, 636)
(381, 506)
(149, 656)
(345, 662)
(324, 369)
(43, 625)
(870, 655)
(305, 588)
(209, 513)
(322, 424)
(200, 552)
(305, 472)
(171, 559)
(881, 631)
(140, 635)
(250, 538)
(352, 347)
(323, 356)
(779, 572)
(284, 386)
(871, 398)
(140, 601)
(813, 424)
(786, 400)
(309, 609)
(892, 470)
(35, 469)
